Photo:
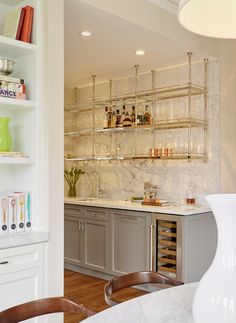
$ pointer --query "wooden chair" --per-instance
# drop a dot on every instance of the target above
(132, 279)
(40, 307)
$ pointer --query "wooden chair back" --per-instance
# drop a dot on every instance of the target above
(41, 307)
(132, 279)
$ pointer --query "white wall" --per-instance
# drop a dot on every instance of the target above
(227, 54)
(52, 140)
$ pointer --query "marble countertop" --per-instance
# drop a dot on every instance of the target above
(128, 205)
(22, 239)
(172, 305)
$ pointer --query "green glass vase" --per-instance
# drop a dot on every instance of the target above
(5, 137)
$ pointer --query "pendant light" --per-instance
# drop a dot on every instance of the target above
(213, 18)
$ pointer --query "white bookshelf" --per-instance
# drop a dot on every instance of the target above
(12, 48)
(16, 161)
(22, 113)
(10, 2)
(12, 104)
(37, 131)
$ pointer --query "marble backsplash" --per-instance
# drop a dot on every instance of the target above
(122, 179)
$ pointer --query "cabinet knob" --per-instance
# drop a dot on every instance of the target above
(4, 262)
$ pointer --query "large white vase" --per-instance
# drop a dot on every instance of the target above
(215, 298)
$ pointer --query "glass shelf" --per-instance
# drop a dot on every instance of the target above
(164, 93)
(183, 114)
(161, 125)
(110, 158)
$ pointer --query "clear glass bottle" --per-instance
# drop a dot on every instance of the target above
(139, 117)
(190, 193)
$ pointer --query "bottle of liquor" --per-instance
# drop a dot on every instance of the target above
(118, 116)
(122, 115)
(109, 117)
(127, 120)
(147, 116)
(139, 117)
(105, 120)
(132, 116)
(113, 120)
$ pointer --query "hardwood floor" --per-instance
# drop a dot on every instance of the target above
(88, 290)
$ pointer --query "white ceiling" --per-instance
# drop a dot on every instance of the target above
(111, 50)
(169, 5)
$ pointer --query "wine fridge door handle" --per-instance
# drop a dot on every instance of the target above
(152, 247)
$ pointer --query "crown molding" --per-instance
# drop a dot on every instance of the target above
(169, 5)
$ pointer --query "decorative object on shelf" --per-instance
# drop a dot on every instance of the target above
(5, 137)
(150, 191)
(6, 66)
(212, 18)
(72, 177)
(10, 87)
(15, 212)
(215, 298)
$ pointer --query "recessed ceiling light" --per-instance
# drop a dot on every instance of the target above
(140, 52)
(86, 33)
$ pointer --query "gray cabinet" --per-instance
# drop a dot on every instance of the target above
(73, 241)
(96, 244)
(130, 241)
(87, 237)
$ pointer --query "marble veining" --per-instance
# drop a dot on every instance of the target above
(128, 205)
(172, 305)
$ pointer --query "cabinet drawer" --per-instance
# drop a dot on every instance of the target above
(96, 214)
(73, 210)
(20, 258)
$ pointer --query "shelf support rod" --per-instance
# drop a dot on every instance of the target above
(189, 103)
(136, 107)
(94, 96)
(206, 64)
(153, 105)
(110, 90)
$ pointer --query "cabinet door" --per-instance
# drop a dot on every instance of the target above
(20, 287)
(130, 242)
(73, 241)
(96, 244)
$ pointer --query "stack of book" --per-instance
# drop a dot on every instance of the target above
(19, 23)
(156, 202)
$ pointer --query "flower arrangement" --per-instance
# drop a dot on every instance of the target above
(72, 178)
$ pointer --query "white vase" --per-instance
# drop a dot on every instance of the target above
(215, 298)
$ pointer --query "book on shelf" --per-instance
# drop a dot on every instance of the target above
(13, 23)
(11, 79)
(19, 23)
(14, 154)
(26, 31)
